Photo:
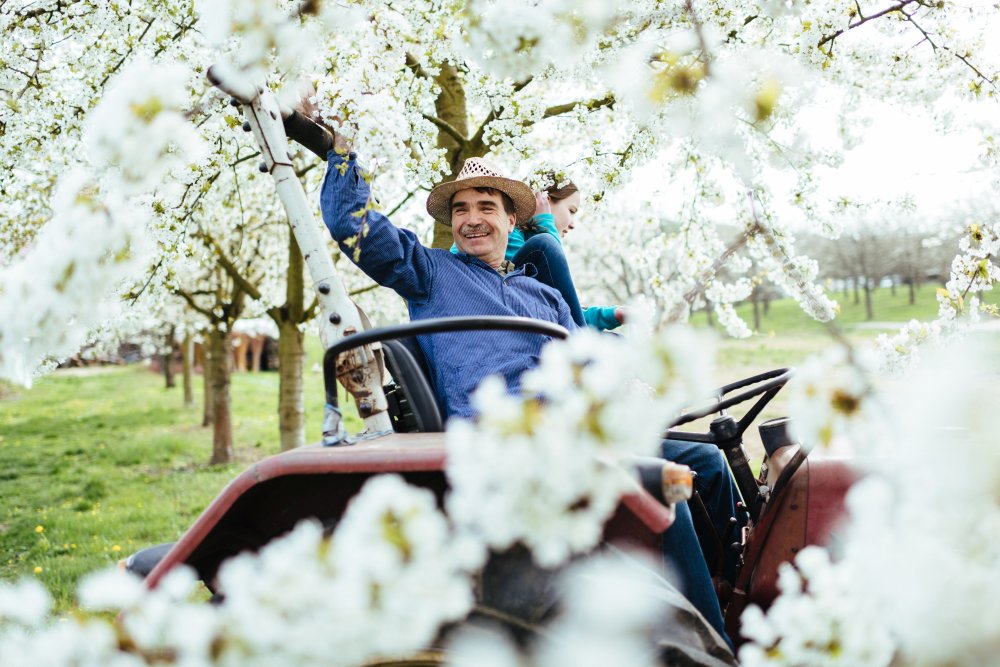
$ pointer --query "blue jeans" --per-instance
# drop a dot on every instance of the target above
(545, 253)
(687, 550)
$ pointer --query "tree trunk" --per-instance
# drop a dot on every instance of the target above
(756, 310)
(219, 360)
(206, 381)
(708, 313)
(168, 360)
(450, 107)
(291, 403)
(857, 293)
(892, 286)
(913, 290)
(869, 314)
(187, 351)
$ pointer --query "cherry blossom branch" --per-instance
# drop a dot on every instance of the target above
(910, 18)
(117, 66)
(706, 57)
(865, 19)
(591, 105)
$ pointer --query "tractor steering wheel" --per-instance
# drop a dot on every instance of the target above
(727, 434)
(766, 385)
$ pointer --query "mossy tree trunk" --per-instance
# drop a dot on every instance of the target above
(451, 108)
(168, 359)
(218, 358)
(187, 364)
(292, 352)
(208, 409)
(291, 396)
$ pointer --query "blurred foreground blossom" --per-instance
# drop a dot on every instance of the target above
(915, 578)
(139, 131)
(542, 468)
(832, 402)
(93, 242)
(609, 613)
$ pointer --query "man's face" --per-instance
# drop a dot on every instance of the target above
(480, 225)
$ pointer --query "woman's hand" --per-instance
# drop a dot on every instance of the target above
(542, 204)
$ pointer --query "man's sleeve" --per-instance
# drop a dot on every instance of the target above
(565, 317)
(390, 256)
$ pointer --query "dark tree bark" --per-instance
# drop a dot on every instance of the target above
(208, 411)
(168, 360)
(187, 351)
(869, 312)
(219, 360)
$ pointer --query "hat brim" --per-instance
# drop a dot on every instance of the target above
(439, 200)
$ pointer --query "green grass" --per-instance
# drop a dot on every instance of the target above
(785, 317)
(98, 463)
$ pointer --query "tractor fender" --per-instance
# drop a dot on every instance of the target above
(806, 512)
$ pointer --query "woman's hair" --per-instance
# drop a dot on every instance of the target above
(557, 193)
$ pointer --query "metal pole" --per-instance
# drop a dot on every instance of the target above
(358, 371)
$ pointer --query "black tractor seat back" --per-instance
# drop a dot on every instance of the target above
(413, 403)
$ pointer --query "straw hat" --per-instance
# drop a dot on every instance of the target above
(476, 173)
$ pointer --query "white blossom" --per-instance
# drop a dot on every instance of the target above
(542, 468)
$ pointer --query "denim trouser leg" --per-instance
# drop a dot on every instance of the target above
(686, 568)
(718, 492)
(546, 254)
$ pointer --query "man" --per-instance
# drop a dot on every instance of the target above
(482, 207)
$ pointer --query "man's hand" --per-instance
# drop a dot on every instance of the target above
(307, 107)
(621, 314)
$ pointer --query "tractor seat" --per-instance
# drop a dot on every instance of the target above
(413, 403)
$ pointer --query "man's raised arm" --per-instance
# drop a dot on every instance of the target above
(391, 256)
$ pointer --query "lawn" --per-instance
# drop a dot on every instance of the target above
(95, 463)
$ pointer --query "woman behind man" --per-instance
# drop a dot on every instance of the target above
(539, 243)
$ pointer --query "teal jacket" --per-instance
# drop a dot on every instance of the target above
(597, 317)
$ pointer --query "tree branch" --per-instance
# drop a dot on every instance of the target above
(865, 19)
(362, 290)
(401, 204)
(448, 129)
(194, 305)
(418, 70)
(591, 105)
(936, 46)
(229, 267)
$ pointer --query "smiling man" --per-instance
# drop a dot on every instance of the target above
(482, 207)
